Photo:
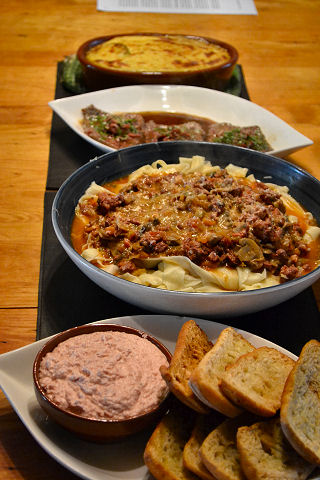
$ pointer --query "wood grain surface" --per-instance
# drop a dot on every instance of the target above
(278, 50)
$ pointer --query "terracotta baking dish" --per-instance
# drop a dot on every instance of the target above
(213, 75)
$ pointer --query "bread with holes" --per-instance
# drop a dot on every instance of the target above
(219, 451)
(300, 406)
(206, 377)
(256, 380)
(191, 453)
(163, 454)
(266, 454)
(192, 344)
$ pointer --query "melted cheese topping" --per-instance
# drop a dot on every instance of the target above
(152, 53)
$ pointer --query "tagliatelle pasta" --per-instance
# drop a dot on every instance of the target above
(195, 227)
(179, 273)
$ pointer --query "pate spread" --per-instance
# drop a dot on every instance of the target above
(104, 375)
(158, 53)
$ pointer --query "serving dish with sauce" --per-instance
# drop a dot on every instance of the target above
(179, 100)
(120, 130)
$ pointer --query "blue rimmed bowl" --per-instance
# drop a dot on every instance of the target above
(303, 187)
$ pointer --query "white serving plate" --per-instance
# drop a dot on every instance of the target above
(88, 460)
(203, 102)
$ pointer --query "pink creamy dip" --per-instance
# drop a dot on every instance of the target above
(104, 375)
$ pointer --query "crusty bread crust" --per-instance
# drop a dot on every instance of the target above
(300, 406)
(191, 454)
(192, 344)
(256, 380)
(265, 453)
(163, 454)
(206, 377)
(219, 450)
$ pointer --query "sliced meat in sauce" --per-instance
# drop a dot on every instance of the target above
(118, 131)
(126, 129)
(247, 137)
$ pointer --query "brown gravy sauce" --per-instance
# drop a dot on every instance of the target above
(169, 118)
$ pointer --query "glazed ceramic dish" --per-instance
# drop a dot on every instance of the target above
(303, 187)
(88, 460)
(148, 58)
(201, 102)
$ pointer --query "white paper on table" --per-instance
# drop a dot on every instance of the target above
(233, 7)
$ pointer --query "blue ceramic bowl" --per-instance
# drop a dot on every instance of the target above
(303, 187)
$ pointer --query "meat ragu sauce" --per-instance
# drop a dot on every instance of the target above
(215, 221)
(119, 130)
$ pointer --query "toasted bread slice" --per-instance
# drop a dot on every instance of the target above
(300, 406)
(219, 450)
(206, 377)
(192, 344)
(164, 450)
(266, 454)
(256, 380)
(191, 454)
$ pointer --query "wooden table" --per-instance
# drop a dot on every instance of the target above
(281, 60)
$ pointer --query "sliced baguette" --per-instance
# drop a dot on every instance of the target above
(300, 406)
(163, 454)
(191, 453)
(219, 450)
(265, 453)
(206, 377)
(256, 380)
(192, 344)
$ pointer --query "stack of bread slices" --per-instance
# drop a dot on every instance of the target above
(239, 412)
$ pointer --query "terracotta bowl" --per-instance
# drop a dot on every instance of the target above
(98, 77)
(104, 430)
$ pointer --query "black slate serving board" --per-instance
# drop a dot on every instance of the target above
(67, 298)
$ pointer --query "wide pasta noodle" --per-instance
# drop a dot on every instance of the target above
(185, 165)
(178, 272)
